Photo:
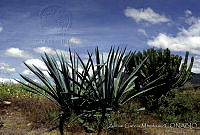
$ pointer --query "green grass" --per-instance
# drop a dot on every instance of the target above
(8, 91)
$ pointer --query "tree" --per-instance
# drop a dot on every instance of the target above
(159, 63)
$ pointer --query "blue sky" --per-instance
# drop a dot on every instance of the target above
(30, 27)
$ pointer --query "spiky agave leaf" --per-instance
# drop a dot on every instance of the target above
(110, 88)
(63, 88)
(115, 90)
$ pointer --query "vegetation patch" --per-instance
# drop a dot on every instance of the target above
(106, 96)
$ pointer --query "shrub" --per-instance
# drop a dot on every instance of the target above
(179, 107)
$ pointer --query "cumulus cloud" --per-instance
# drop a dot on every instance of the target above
(17, 53)
(6, 68)
(142, 31)
(35, 80)
(147, 15)
(196, 65)
(1, 28)
(188, 12)
(8, 81)
(27, 72)
(51, 51)
(36, 62)
(75, 40)
(191, 20)
(39, 64)
(45, 49)
(185, 39)
(46, 73)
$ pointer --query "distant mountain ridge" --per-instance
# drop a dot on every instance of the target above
(195, 79)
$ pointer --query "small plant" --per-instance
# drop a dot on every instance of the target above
(179, 107)
(93, 93)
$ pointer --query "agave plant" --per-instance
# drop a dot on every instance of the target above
(108, 87)
(113, 88)
(61, 87)
(100, 87)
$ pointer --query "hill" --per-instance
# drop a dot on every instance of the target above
(195, 79)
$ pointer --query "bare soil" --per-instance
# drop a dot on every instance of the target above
(27, 116)
(21, 117)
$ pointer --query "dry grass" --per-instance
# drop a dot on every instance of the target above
(24, 115)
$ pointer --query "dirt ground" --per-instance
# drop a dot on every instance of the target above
(14, 122)
(25, 117)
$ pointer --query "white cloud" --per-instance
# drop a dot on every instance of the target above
(185, 39)
(65, 53)
(105, 56)
(46, 73)
(45, 49)
(39, 64)
(7, 80)
(142, 31)
(16, 52)
(36, 62)
(1, 29)
(147, 15)
(196, 65)
(35, 80)
(6, 68)
(191, 20)
(51, 51)
(27, 72)
(188, 12)
(75, 40)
